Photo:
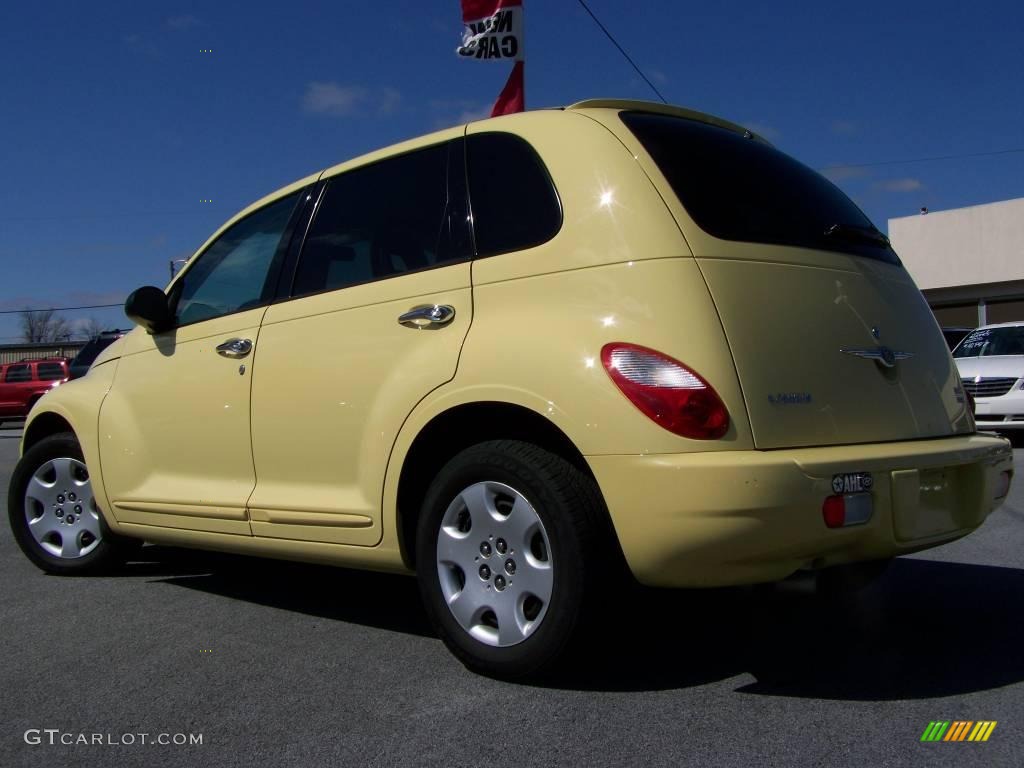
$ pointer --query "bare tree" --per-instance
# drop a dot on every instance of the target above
(91, 328)
(43, 326)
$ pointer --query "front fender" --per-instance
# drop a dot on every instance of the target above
(77, 403)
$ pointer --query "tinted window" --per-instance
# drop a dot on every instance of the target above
(985, 342)
(232, 274)
(50, 371)
(91, 351)
(514, 202)
(18, 373)
(737, 188)
(399, 215)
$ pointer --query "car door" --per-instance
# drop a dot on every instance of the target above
(175, 446)
(379, 308)
(16, 389)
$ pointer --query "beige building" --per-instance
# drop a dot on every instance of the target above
(968, 262)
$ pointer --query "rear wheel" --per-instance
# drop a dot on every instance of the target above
(507, 555)
(53, 512)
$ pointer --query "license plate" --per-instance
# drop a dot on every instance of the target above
(852, 482)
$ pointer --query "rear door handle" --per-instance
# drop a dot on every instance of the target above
(235, 348)
(427, 316)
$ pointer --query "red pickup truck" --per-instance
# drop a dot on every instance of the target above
(22, 383)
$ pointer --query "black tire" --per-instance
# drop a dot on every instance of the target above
(571, 512)
(98, 552)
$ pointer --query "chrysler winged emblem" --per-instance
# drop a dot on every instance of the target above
(882, 355)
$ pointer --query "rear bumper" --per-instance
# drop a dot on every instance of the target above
(736, 517)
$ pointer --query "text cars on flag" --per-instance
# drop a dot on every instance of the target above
(494, 32)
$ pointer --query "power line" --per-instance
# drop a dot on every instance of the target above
(621, 50)
(922, 159)
(58, 309)
(123, 215)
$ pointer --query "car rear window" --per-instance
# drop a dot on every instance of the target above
(50, 371)
(738, 188)
(986, 342)
(88, 354)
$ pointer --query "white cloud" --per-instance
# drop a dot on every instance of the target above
(900, 185)
(844, 127)
(839, 173)
(388, 100)
(659, 77)
(763, 130)
(140, 44)
(457, 111)
(475, 113)
(326, 98)
(183, 23)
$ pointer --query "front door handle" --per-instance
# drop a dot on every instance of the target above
(235, 348)
(427, 316)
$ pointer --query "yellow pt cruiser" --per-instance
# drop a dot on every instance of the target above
(512, 355)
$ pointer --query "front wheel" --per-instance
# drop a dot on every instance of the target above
(53, 512)
(507, 555)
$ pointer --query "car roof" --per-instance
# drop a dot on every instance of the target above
(657, 108)
(447, 134)
(1011, 324)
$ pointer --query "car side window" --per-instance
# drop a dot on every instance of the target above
(50, 371)
(398, 215)
(513, 199)
(235, 273)
(18, 373)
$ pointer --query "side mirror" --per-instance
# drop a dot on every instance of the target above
(147, 306)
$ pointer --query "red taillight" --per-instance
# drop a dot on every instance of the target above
(668, 392)
(834, 511)
(849, 509)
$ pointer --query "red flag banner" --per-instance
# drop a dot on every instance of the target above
(494, 30)
(513, 96)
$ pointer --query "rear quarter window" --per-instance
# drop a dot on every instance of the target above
(735, 187)
(512, 197)
(16, 373)
(50, 371)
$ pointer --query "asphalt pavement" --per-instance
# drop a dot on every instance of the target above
(269, 664)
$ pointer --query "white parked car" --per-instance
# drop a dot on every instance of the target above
(991, 364)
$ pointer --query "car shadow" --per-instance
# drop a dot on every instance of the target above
(381, 600)
(926, 629)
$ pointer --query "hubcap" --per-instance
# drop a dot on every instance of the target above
(499, 600)
(60, 509)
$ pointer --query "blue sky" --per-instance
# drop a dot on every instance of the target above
(114, 125)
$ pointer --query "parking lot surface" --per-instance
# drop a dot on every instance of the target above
(282, 664)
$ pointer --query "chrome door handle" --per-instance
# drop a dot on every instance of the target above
(427, 316)
(235, 348)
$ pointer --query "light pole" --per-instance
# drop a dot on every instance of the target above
(176, 261)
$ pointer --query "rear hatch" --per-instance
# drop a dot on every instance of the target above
(832, 341)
